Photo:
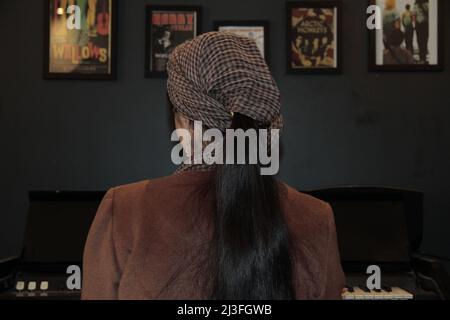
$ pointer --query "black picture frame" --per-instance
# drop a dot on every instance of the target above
(150, 72)
(110, 76)
(374, 67)
(337, 37)
(265, 24)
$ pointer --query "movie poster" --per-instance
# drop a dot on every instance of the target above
(409, 34)
(255, 33)
(166, 29)
(313, 38)
(80, 39)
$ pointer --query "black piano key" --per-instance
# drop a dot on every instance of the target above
(350, 288)
(386, 288)
(365, 289)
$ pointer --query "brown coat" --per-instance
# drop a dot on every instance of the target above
(146, 236)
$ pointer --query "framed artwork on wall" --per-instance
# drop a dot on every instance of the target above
(80, 39)
(257, 30)
(314, 37)
(410, 38)
(166, 27)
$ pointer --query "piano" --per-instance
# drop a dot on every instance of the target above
(56, 229)
(375, 226)
(383, 227)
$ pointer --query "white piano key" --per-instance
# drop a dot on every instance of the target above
(372, 295)
(359, 294)
(386, 295)
(347, 295)
(402, 294)
(378, 295)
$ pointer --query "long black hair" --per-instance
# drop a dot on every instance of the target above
(250, 250)
(251, 241)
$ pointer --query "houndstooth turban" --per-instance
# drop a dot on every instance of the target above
(217, 74)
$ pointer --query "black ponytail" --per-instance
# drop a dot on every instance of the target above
(251, 241)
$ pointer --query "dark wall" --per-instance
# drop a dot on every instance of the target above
(357, 128)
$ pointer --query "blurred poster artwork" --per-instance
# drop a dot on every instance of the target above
(166, 29)
(409, 34)
(255, 33)
(313, 37)
(86, 50)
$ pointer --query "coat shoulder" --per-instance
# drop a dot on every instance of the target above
(300, 205)
(310, 221)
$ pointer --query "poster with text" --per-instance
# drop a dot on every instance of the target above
(167, 27)
(314, 41)
(80, 39)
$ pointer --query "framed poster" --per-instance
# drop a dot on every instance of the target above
(410, 38)
(166, 27)
(80, 39)
(257, 30)
(314, 37)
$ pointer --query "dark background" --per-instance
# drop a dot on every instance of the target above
(357, 128)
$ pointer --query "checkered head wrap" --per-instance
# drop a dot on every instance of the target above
(217, 74)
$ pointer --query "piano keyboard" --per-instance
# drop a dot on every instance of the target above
(386, 293)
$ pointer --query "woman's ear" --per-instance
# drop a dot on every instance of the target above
(181, 122)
